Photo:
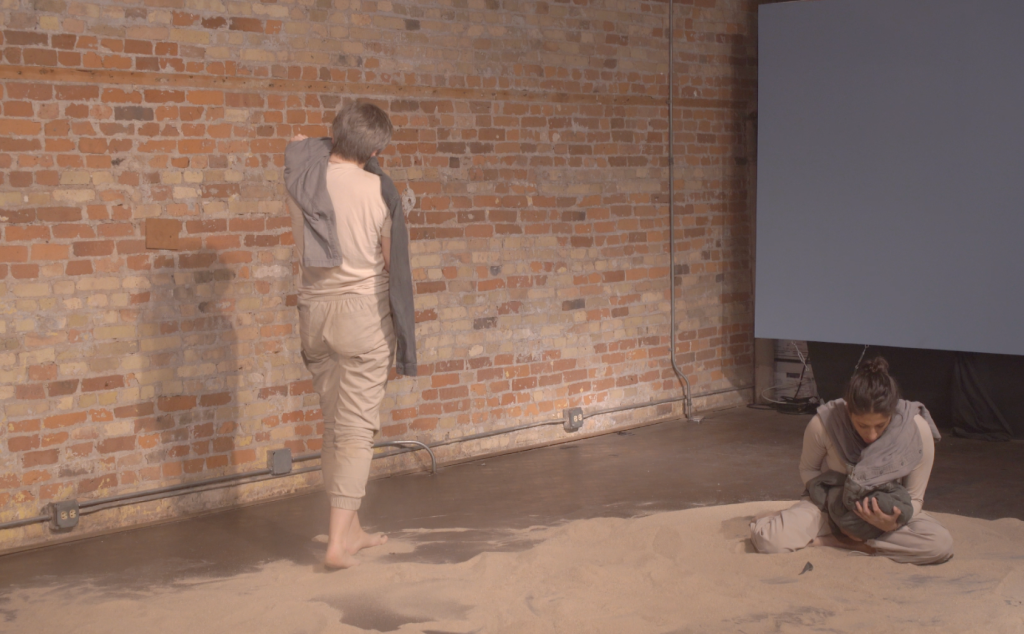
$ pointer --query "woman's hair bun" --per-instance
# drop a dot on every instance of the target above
(878, 365)
(871, 389)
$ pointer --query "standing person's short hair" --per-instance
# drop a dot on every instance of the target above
(871, 390)
(359, 130)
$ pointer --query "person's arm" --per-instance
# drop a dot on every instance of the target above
(813, 454)
(917, 480)
(385, 247)
(385, 239)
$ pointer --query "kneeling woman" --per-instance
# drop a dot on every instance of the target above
(876, 439)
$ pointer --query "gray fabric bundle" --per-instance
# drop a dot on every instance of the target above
(874, 468)
(894, 455)
(827, 492)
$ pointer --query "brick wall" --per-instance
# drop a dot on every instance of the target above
(532, 135)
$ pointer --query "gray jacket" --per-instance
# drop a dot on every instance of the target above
(305, 178)
(827, 493)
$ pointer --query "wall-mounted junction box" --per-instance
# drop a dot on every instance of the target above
(573, 419)
(64, 515)
(279, 461)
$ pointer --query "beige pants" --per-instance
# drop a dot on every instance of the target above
(348, 343)
(922, 541)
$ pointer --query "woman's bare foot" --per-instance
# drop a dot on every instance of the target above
(339, 551)
(346, 537)
(358, 539)
(338, 558)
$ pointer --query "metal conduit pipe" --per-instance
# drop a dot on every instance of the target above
(687, 400)
(170, 489)
(663, 401)
(25, 522)
(101, 504)
(415, 443)
(198, 487)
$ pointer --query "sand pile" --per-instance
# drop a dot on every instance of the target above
(689, 571)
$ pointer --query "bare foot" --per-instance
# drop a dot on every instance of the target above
(338, 558)
(358, 539)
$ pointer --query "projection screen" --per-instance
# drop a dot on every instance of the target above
(890, 185)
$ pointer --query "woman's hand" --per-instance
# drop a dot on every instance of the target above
(867, 509)
(298, 137)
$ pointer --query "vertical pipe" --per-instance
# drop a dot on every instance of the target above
(688, 403)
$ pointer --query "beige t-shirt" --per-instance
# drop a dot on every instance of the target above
(820, 455)
(362, 220)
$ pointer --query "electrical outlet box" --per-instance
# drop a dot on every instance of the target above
(573, 419)
(280, 461)
(64, 515)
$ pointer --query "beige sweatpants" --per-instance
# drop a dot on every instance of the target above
(922, 541)
(348, 343)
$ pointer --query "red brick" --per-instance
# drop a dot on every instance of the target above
(42, 372)
(90, 485)
(132, 411)
(32, 92)
(78, 267)
(175, 403)
(111, 382)
(49, 252)
(64, 420)
(93, 249)
(59, 214)
(112, 445)
(13, 254)
(246, 24)
(214, 400)
(272, 392)
(23, 443)
(40, 458)
(243, 456)
(55, 439)
(62, 388)
(29, 392)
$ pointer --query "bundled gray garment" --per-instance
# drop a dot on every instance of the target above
(305, 177)
(826, 492)
(894, 455)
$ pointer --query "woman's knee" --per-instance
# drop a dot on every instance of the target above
(941, 545)
(922, 542)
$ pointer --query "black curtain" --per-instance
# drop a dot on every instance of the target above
(974, 395)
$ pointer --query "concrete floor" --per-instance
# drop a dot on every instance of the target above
(738, 455)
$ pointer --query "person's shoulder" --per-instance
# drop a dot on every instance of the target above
(354, 175)
(924, 428)
(815, 426)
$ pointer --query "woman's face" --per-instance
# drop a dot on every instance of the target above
(870, 426)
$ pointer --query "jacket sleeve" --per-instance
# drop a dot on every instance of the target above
(403, 312)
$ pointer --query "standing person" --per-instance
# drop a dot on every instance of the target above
(874, 438)
(355, 301)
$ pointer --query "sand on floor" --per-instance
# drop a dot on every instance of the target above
(688, 572)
